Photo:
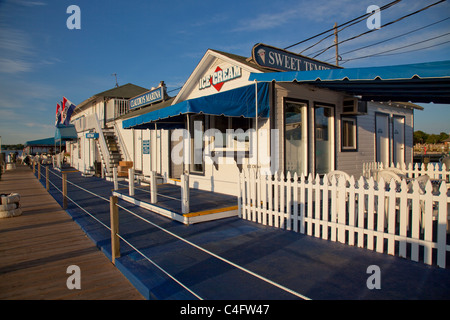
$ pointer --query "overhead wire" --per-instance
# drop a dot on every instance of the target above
(408, 45)
(351, 23)
(386, 40)
(385, 25)
(341, 25)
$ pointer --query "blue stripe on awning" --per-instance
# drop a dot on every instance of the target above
(233, 103)
(440, 69)
(420, 82)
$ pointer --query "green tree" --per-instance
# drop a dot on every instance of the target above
(443, 136)
(420, 137)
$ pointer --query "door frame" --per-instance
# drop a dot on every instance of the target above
(388, 136)
(394, 154)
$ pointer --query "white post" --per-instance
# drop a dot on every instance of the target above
(116, 183)
(185, 193)
(256, 124)
(153, 188)
(131, 181)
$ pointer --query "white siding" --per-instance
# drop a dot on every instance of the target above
(351, 162)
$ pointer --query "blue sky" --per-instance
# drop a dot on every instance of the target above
(145, 42)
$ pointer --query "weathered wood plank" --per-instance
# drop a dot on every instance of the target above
(37, 247)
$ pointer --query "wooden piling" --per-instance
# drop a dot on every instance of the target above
(47, 182)
(114, 217)
(64, 190)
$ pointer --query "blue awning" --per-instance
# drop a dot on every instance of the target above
(420, 82)
(233, 103)
(40, 142)
(65, 133)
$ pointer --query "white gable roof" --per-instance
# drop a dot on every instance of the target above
(216, 72)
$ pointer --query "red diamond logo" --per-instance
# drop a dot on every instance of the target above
(219, 85)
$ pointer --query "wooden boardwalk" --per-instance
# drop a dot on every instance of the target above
(37, 247)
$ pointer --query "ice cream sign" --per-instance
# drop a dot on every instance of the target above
(219, 77)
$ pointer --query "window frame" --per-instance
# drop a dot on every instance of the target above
(353, 148)
(305, 130)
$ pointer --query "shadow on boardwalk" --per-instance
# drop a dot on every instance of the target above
(277, 259)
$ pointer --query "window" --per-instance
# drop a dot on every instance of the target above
(348, 134)
(197, 125)
(237, 125)
(295, 137)
(324, 138)
(221, 124)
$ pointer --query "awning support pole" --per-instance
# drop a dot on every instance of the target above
(256, 123)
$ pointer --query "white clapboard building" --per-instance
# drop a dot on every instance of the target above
(275, 110)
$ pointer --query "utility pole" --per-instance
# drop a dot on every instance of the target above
(336, 43)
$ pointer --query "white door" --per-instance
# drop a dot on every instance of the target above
(382, 138)
(398, 133)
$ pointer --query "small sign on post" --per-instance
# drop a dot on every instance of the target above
(145, 146)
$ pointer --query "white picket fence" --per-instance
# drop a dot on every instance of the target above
(433, 170)
(397, 219)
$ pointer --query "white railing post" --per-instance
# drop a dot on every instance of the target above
(185, 193)
(131, 181)
(116, 183)
(442, 219)
(240, 198)
(153, 187)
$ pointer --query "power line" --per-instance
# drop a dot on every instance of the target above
(401, 35)
(409, 45)
(341, 25)
(352, 23)
(385, 25)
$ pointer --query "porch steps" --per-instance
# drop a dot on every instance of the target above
(115, 154)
